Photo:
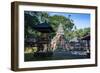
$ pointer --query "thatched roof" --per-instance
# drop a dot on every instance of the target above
(43, 27)
(87, 37)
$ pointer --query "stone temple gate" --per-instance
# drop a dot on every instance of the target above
(59, 40)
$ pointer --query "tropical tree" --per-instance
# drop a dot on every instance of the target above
(65, 21)
(82, 32)
(33, 18)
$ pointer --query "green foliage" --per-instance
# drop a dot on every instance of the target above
(30, 20)
(66, 22)
(77, 33)
(82, 32)
(34, 18)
